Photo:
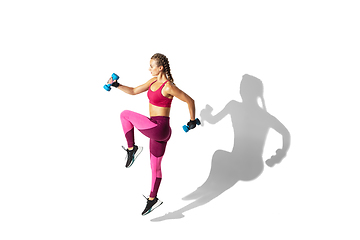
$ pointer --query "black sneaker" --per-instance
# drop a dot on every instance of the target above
(151, 205)
(132, 155)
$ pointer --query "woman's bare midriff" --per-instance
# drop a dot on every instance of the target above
(158, 111)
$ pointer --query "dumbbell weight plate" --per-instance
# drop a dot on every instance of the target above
(115, 76)
(107, 87)
(186, 128)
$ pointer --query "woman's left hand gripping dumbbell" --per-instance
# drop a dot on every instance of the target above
(191, 125)
(112, 82)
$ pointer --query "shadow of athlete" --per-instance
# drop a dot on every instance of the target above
(251, 124)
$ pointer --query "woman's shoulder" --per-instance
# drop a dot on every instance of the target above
(153, 79)
(169, 85)
(148, 83)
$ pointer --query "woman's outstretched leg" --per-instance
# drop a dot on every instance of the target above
(156, 175)
(157, 150)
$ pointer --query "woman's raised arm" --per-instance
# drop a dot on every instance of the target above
(134, 91)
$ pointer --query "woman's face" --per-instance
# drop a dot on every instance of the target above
(154, 69)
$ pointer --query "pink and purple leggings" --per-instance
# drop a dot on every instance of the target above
(158, 130)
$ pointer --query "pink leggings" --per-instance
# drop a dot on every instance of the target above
(158, 130)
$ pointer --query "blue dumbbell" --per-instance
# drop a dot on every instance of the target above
(186, 127)
(115, 78)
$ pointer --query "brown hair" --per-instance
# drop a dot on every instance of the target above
(162, 60)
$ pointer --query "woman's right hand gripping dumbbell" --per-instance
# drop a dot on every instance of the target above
(112, 82)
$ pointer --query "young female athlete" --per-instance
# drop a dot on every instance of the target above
(161, 91)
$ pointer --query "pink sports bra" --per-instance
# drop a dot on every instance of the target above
(157, 99)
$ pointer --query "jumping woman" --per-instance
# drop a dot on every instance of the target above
(161, 91)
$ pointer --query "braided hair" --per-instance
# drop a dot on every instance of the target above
(162, 60)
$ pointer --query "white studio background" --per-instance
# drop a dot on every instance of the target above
(62, 173)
